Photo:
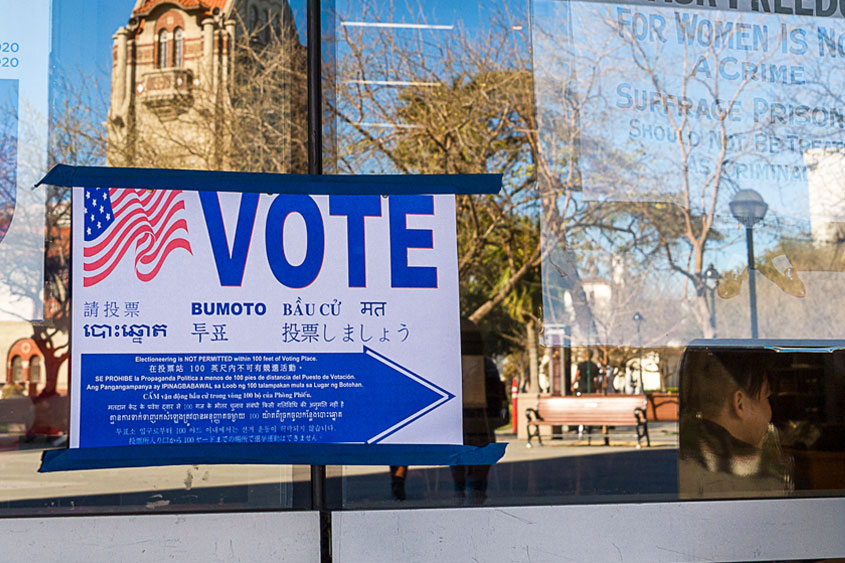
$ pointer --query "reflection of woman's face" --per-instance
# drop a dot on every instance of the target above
(759, 416)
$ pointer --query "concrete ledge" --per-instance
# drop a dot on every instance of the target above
(751, 530)
(255, 536)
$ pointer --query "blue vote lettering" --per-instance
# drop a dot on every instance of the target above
(402, 238)
(304, 274)
(231, 264)
(355, 208)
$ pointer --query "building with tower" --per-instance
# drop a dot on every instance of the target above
(195, 82)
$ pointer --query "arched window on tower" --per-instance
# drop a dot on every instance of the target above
(178, 47)
(163, 39)
(277, 25)
(17, 370)
(253, 19)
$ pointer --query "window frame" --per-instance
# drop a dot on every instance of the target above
(162, 50)
(178, 48)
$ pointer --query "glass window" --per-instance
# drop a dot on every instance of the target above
(254, 21)
(178, 47)
(163, 48)
(109, 106)
(648, 304)
(649, 155)
(35, 369)
(279, 24)
(17, 370)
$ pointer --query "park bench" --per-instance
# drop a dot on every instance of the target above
(663, 407)
(589, 411)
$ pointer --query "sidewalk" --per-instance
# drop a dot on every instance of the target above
(560, 469)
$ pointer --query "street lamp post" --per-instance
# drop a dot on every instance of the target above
(748, 207)
(711, 279)
(638, 318)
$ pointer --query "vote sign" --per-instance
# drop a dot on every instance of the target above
(205, 317)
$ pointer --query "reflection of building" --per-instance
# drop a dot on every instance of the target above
(183, 70)
(826, 184)
(652, 378)
(599, 294)
(26, 365)
(25, 362)
(23, 367)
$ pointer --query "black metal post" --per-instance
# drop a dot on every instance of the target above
(752, 282)
(567, 361)
(640, 344)
(315, 167)
(315, 92)
(318, 503)
(589, 363)
(712, 292)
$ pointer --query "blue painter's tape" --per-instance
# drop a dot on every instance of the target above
(252, 182)
(269, 454)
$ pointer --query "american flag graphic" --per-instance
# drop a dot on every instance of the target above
(120, 220)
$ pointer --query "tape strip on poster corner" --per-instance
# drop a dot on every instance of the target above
(265, 183)
(71, 459)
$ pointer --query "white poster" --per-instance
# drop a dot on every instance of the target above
(659, 113)
(24, 67)
(206, 317)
